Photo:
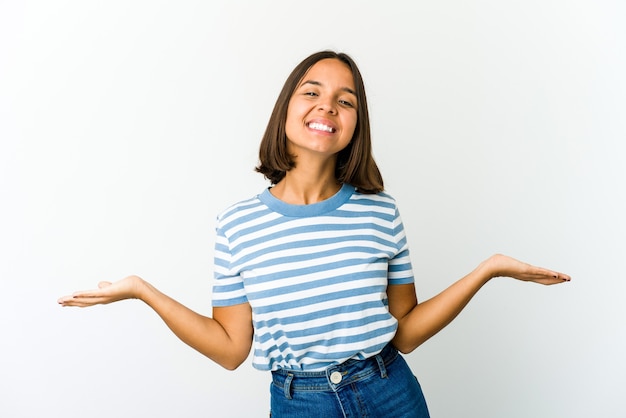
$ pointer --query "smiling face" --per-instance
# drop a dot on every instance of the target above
(322, 112)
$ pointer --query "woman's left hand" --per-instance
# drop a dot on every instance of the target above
(504, 266)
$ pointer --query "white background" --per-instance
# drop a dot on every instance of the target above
(126, 126)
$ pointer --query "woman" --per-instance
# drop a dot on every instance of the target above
(316, 270)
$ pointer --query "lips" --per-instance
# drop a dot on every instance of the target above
(322, 127)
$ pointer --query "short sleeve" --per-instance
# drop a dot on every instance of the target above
(228, 288)
(400, 270)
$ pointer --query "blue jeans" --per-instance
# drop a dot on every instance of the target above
(381, 386)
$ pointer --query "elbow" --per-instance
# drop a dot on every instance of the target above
(231, 362)
(404, 348)
(228, 360)
(231, 366)
(404, 343)
(401, 346)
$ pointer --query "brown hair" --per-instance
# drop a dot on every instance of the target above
(355, 163)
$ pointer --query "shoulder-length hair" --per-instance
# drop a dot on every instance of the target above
(355, 163)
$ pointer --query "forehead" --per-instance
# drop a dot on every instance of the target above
(330, 72)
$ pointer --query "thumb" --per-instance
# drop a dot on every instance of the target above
(102, 285)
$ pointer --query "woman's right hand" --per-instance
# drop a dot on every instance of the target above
(225, 338)
(107, 292)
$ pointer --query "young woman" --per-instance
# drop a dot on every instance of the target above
(315, 270)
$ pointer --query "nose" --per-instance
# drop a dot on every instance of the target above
(327, 106)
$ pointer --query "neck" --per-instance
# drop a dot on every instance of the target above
(303, 187)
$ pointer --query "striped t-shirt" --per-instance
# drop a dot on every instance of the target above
(315, 275)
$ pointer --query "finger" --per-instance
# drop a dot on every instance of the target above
(540, 271)
(555, 278)
(93, 293)
(69, 300)
(72, 302)
(82, 302)
(560, 277)
(83, 297)
(548, 282)
(63, 299)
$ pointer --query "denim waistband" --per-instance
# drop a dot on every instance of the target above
(335, 377)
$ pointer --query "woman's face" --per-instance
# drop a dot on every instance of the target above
(322, 112)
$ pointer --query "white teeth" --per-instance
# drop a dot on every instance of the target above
(320, 127)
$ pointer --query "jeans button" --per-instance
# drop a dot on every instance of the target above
(335, 377)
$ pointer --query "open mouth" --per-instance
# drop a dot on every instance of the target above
(321, 127)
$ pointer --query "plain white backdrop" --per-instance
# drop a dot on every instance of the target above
(126, 126)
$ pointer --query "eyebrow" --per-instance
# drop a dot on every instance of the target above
(317, 83)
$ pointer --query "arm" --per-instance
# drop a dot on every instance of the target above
(226, 338)
(418, 322)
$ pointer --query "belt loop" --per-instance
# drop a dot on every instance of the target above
(381, 366)
(287, 387)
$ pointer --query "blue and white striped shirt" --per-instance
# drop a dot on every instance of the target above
(315, 275)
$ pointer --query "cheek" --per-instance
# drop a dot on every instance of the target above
(294, 114)
(289, 123)
(350, 125)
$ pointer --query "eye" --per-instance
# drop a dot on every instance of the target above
(346, 103)
(310, 93)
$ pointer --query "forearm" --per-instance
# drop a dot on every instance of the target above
(428, 318)
(205, 334)
(226, 338)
